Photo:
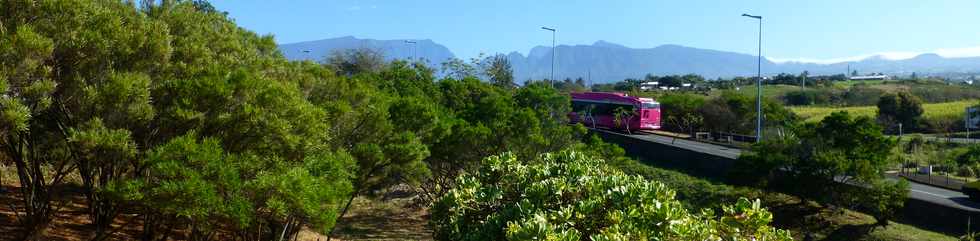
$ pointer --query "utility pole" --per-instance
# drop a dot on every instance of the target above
(553, 52)
(758, 101)
(415, 49)
(590, 79)
(803, 83)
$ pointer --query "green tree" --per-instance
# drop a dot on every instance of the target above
(349, 62)
(98, 85)
(840, 160)
(458, 69)
(901, 108)
(73, 72)
(497, 68)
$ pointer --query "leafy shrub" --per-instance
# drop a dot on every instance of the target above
(821, 96)
(860, 96)
(816, 158)
(970, 157)
(902, 108)
(965, 171)
(570, 196)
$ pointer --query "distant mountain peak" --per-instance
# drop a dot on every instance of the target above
(928, 56)
(604, 44)
(604, 61)
(538, 51)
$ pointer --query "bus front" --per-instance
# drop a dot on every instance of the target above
(649, 114)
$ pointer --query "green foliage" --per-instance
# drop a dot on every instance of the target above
(729, 112)
(497, 69)
(350, 62)
(569, 196)
(99, 84)
(823, 160)
(197, 180)
(902, 108)
(695, 193)
(883, 199)
(173, 111)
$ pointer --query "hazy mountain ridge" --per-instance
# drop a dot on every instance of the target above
(609, 62)
(392, 49)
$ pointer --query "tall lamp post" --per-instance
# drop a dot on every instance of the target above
(415, 49)
(553, 51)
(758, 101)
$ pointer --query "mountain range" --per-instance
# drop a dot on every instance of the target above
(604, 62)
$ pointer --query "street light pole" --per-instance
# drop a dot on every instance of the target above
(415, 49)
(758, 101)
(553, 51)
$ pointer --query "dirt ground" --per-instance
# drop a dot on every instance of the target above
(394, 219)
(69, 223)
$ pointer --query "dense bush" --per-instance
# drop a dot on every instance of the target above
(817, 159)
(810, 96)
(696, 193)
(971, 156)
(937, 92)
(570, 196)
(729, 112)
(900, 108)
(170, 110)
(858, 95)
(966, 171)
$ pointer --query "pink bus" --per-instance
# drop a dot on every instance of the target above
(598, 109)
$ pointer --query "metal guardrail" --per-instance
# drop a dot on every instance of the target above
(940, 181)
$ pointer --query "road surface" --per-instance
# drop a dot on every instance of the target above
(917, 191)
(722, 151)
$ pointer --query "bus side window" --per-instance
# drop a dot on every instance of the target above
(578, 106)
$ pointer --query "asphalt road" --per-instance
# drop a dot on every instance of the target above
(917, 191)
(722, 151)
(942, 196)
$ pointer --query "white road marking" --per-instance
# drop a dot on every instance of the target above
(929, 193)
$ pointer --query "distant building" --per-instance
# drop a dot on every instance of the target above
(870, 77)
(651, 85)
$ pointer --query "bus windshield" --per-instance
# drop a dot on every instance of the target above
(650, 105)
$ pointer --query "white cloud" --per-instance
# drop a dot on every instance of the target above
(959, 52)
(948, 53)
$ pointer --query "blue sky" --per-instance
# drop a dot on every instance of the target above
(814, 31)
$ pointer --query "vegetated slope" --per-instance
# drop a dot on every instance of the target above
(947, 110)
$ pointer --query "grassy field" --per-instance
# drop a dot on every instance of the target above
(954, 110)
(768, 91)
(850, 83)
